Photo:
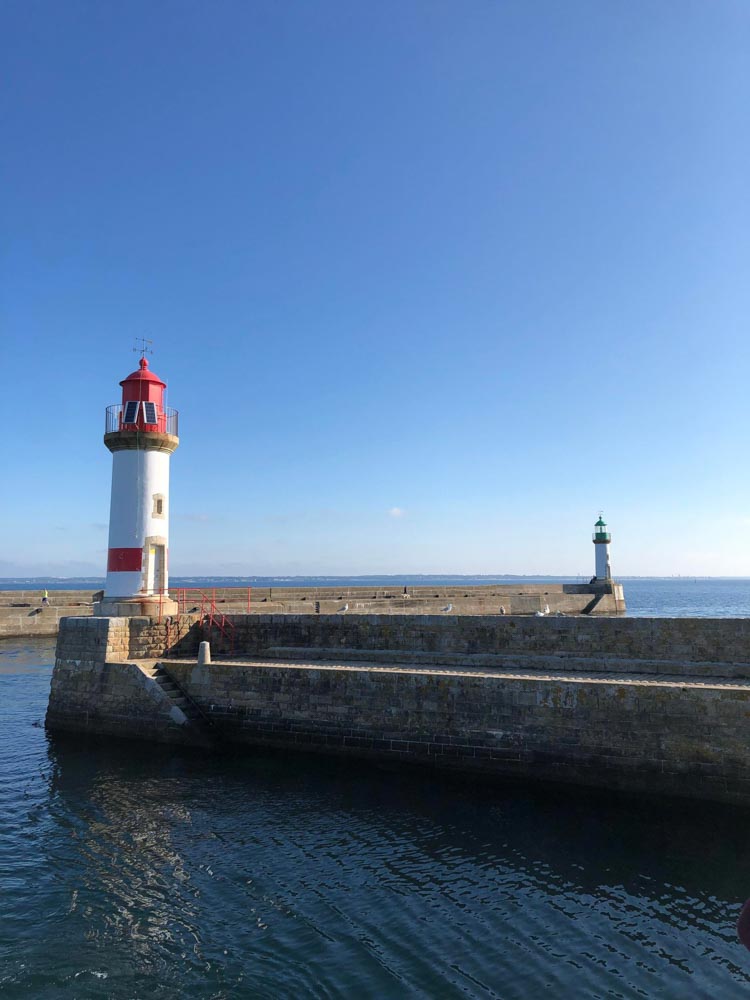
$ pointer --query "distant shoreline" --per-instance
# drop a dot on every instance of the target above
(385, 579)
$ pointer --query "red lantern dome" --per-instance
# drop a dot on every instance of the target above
(143, 400)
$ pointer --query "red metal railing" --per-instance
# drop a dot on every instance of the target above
(224, 625)
(197, 599)
(194, 600)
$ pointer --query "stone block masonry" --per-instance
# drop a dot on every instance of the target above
(96, 690)
(516, 599)
(671, 737)
(643, 645)
(21, 613)
(651, 705)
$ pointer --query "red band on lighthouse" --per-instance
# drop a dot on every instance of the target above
(124, 560)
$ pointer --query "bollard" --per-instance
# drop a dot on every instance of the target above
(204, 654)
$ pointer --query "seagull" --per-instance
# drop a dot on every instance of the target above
(345, 608)
(448, 607)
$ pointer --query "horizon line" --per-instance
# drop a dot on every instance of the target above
(394, 576)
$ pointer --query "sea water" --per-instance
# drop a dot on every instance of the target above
(130, 870)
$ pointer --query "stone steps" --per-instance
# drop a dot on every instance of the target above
(194, 715)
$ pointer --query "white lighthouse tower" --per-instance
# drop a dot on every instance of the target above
(601, 539)
(141, 434)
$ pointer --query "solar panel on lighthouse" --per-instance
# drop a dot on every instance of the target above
(149, 412)
(131, 412)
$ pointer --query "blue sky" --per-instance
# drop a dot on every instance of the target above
(431, 282)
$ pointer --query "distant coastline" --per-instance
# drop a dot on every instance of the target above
(383, 579)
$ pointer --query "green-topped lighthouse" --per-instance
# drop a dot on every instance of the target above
(601, 539)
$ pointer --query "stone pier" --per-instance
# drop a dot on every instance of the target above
(658, 706)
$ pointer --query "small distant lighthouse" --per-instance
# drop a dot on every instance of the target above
(141, 433)
(601, 539)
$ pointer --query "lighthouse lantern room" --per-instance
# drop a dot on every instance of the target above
(141, 433)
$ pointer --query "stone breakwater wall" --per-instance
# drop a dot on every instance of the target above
(516, 599)
(98, 686)
(22, 613)
(685, 646)
(672, 738)
(651, 705)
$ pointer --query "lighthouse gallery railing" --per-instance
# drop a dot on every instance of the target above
(166, 420)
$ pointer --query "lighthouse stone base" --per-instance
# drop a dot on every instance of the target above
(132, 607)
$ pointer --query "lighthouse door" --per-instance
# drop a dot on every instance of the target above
(155, 568)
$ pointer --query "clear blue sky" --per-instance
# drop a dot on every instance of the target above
(431, 282)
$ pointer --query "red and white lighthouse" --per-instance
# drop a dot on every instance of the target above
(141, 433)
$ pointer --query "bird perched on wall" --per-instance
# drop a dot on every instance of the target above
(448, 607)
(345, 608)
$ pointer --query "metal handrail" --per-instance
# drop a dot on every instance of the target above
(166, 421)
(202, 597)
(210, 615)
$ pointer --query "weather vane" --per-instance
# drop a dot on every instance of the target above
(143, 350)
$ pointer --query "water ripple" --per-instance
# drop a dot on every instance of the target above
(132, 871)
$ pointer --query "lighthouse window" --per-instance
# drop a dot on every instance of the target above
(158, 505)
(131, 412)
(149, 411)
